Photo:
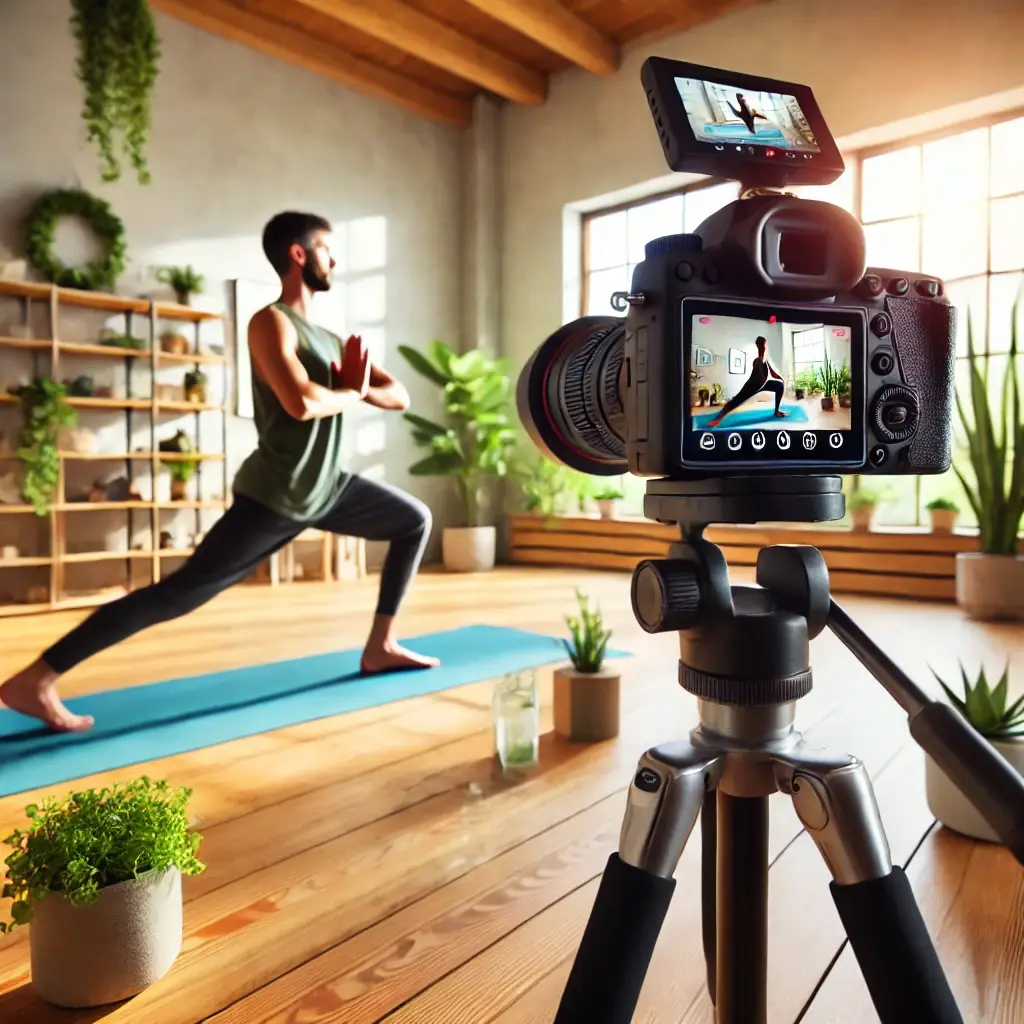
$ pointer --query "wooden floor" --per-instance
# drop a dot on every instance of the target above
(376, 867)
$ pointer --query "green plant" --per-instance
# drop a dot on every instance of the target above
(609, 494)
(808, 380)
(118, 54)
(996, 456)
(942, 505)
(986, 709)
(92, 839)
(477, 441)
(717, 390)
(862, 498)
(183, 280)
(589, 637)
(843, 380)
(40, 232)
(828, 377)
(44, 412)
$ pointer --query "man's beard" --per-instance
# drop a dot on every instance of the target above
(315, 280)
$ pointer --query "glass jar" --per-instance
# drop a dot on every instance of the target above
(516, 710)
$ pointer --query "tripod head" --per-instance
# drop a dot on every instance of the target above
(745, 648)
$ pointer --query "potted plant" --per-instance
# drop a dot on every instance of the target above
(606, 497)
(717, 390)
(943, 513)
(987, 712)
(174, 343)
(586, 695)
(473, 447)
(861, 505)
(195, 387)
(829, 381)
(990, 581)
(184, 281)
(44, 412)
(843, 387)
(97, 874)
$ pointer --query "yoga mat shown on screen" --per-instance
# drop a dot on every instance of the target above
(141, 723)
(751, 417)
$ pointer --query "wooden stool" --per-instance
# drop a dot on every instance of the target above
(340, 557)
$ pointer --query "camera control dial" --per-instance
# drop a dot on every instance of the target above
(895, 413)
(665, 595)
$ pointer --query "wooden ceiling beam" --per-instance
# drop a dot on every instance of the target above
(408, 29)
(556, 28)
(289, 44)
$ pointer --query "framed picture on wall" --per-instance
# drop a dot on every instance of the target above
(247, 297)
(737, 360)
(702, 356)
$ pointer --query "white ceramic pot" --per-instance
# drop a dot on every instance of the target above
(468, 548)
(587, 705)
(861, 517)
(607, 507)
(990, 587)
(952, 808)
(943, 519)
(109, 950)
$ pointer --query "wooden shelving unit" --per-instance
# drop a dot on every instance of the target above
(64, 514)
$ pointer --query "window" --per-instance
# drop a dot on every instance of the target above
(808, 350)
(952, 206)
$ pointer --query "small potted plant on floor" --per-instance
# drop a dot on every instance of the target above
(586, 695)
(717, 390)
(97, 876)
(990, 581)
(861, 506)
(606, 498)
(843, 387)
(829, 380)
(942, 513)
(1002, 724)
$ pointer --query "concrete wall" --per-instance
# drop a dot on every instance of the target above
(872, 65)
(236, 137)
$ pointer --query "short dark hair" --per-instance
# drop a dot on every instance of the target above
(284, 230)
(761, 341)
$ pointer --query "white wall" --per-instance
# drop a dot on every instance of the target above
(723, 333)
(237, 136)
(870, 63)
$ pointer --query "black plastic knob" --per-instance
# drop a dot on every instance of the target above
(666, 595)
(668, 245)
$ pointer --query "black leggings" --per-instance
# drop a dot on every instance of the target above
(750, 389)
(241, 539)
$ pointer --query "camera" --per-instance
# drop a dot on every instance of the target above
(761, 342)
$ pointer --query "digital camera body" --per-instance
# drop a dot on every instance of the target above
(761, 342)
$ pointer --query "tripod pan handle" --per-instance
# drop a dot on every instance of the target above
(986, 778)
(617, 946)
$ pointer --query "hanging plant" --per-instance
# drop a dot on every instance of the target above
(41, 229)
(45, 411)
(118, 51)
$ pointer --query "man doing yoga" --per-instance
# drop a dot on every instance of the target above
(762, 378)
(294, 479)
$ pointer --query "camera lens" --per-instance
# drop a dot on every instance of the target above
(569, 396)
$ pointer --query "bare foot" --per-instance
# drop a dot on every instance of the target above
(394, 658)
(781, 414)
(33, 692)
(714, 423)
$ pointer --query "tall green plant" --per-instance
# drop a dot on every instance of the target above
(118, 53)
(996, 450)
(44, 412)
(589, 637)
(476, 442)
(829, 377)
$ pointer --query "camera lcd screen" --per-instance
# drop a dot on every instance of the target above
(766, 385)
(729, 115)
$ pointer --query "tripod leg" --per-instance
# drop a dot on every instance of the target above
(709, 884)
(834, 799)
(664, 801)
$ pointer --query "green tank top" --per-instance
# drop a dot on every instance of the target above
(296, 468)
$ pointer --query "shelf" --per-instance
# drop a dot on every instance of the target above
(191, 504)
(191, 357)
(16, 509)
(78, 402)
(26, 609)
(142, 456)
(189, 456)
(176, 552)
(104, 351)
(26, 289)
(27, 344)
(173, 311)
(79, 557)
(175, 406)
(24, 562)
(101, 506)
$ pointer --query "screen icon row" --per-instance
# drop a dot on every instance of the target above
(759, 440)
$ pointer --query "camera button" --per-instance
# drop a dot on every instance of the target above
(735, 442)
(684, 270)
(711, 274)
(872, 284)
(881, 325)
(928, 288)
(878, 455)
(883, 362)
(899, 286)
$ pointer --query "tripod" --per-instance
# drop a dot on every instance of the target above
(745, 656)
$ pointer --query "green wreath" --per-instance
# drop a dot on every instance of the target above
(41, 228)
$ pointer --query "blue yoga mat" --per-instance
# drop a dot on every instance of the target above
(748, 417)
(141, 723)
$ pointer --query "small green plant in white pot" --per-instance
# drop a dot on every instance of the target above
(586, 694)
(861, 505)
(943, 514)
(607, 499)
(990, 712)
(97, 878)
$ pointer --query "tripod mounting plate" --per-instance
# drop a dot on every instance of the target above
(694, 504)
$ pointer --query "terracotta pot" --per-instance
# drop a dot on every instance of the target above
(943, 519)
(108, 950)
(951, 808)
(990, 587)
(861, 517)
(179, 490)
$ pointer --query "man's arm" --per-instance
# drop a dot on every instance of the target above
(273, 344)
(386, 392)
